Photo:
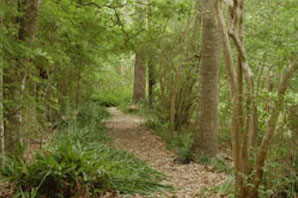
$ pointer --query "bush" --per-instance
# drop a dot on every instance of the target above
(73, 169)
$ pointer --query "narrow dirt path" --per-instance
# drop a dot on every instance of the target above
(129, 135)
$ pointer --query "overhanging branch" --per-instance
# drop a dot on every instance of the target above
(114, 8)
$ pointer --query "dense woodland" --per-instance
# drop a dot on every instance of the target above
(216, 80)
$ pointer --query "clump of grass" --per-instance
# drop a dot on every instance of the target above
(224, 190)
(74, 169)
(180, 142)
(218, 163)
(77, 162)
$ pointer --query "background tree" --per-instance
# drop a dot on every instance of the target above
(139, 91)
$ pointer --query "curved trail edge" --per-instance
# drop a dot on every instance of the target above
(128, 134)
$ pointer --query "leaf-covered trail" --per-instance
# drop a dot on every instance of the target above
(128, 134)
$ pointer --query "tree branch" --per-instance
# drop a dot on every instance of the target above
(114, 8)
(103, 6)
(271, 124)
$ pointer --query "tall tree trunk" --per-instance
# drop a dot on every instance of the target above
(151, 82)
(139, 90)
(236, 18)
(229, 65)
(2, 132)
(205, 141)
(27, 32)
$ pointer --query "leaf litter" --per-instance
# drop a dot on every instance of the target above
(189, 180)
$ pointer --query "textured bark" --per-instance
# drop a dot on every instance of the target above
(29, 22)
(2, 132)
(205, 141)
(139, 90)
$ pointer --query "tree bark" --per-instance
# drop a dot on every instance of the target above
(205, 141)
(139, 91)
(2, 131)
(234, 92)
(78, 88)
(293, 126)
(151, 82)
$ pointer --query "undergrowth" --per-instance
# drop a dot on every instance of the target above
(141, 109)
(181, 143)
(77, 162)
(224, 190)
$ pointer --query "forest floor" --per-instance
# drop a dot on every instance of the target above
(129, 134)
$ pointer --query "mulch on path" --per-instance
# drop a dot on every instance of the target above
(189, 180)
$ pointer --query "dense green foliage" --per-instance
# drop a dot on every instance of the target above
(77, 162)
(83, 53)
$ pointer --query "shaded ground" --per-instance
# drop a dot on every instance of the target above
(128, 134)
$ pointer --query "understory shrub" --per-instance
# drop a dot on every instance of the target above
(180, 142)
(77, 162)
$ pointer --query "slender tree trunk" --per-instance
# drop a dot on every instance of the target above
(293, 126)
(270, 128)
(240, 140)
(139, 90)
(245, 124)
(78, 89)
(233, 81)
(253, 142)
(2, 132)
(189, 79)
(194, 41)
(151, 82)
(177, 79)
(205, 141)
